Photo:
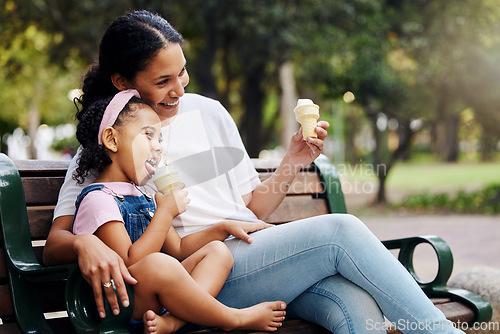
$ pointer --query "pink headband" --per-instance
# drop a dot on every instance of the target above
(114, 108)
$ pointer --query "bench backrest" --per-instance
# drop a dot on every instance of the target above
(316, 190)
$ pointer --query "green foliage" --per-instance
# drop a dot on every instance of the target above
(70, 144)
(30, 82)
(484, 201)
(399, 58)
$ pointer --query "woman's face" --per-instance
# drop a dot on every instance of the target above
(162, 82)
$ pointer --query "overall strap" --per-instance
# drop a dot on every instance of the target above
(85, 192)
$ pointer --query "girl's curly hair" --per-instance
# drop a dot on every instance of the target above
(94, 157)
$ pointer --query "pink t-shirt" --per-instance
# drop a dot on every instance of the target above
(99, 207)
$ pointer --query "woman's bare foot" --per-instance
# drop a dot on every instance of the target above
(164, 324)
(264, 316)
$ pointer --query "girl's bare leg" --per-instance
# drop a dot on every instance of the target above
(163, 282)
(209, 267)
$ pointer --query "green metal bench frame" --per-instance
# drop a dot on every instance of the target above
(24, 269)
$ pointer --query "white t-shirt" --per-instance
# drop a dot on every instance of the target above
(204, 146)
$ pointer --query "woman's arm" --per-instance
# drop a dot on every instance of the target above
(267, 196)
(115, 235)
(180, 248)
(97, 262)
(60, 245)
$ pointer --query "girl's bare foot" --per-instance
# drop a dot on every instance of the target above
(164, 324)
(264, 316)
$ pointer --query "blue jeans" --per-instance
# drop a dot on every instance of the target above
(330, 270)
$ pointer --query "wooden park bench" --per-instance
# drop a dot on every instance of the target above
(32, 296)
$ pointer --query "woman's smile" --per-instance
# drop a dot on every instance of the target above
(170, 108)
(162, 82)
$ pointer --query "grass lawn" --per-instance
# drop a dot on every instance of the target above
(428, 177)
(436, 176)
(425, 187)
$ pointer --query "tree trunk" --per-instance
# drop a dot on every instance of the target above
(205, 61)
(446, 130)
(489, 138)
(378, 161)
(34, 119)
(253, 100)
(33, 124)
(405, 135)
(378, 153)
(350, 153)
(287, 103)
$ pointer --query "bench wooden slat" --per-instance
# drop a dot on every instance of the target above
(304, 183)
(11, 328)
(41, 190)
(298, 207)
(3, 268)
(51, 294)
(291, 326)
(456, 312)
(40, 219)
(42, 167)
(5, 301)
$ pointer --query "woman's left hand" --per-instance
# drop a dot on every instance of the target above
(240, 229)
(303, 152)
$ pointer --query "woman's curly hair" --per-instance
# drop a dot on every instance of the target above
(94, 157)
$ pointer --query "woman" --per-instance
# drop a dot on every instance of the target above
(333, 273)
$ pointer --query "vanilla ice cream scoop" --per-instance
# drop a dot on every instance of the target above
(307, 114)
(166, 178)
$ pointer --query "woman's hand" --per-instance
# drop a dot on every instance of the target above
(302, 152)
(240, 229)
(99, 264)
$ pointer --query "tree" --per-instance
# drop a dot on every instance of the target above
(32, 88)
(455, 44)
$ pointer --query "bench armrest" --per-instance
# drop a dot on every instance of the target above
(437, 287)
(331, 182)
(15, 229)
(82, 311)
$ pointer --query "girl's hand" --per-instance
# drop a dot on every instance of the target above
(174, 202)
(99, 264)
(240, 229)
(301, 153)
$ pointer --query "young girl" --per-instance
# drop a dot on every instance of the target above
(124, 149)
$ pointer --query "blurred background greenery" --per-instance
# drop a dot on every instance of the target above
(410, 86)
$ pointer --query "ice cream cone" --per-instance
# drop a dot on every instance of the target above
(166, 179)
(307, 114)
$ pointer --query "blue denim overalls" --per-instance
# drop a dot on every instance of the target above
(137, 211)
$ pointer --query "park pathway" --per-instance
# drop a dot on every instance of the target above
(473, 239)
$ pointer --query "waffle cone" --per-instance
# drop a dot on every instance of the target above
(308, 124)
(307, 115)
(167, 182)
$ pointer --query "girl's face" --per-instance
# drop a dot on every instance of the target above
(138, 146)
(162, 82)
